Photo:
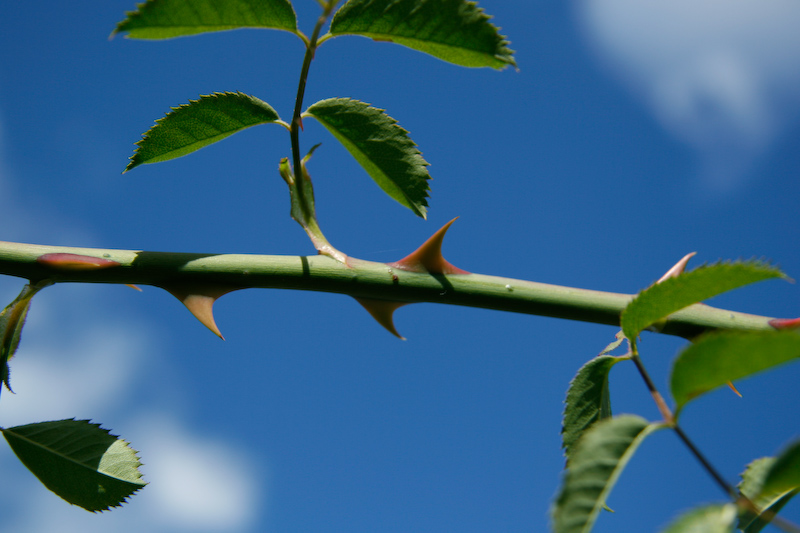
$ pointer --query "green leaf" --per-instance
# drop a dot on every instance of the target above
(79, 461)
(706, 519)
(673, 294)
(769, 499)
(12, 319)
(164, 19)
(382, 147)
(453, 30)
(718, 357)
(199, 123)
(588, 400)
(596, 463)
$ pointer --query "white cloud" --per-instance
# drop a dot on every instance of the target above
(722, 76)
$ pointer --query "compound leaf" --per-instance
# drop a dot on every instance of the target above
(80, 461)
(382, 147)
(706, 519)
(718, 357)
(588, 400)
(673, 294)
(164, 19)
(199, 123)
(594, 467)
(457, 31)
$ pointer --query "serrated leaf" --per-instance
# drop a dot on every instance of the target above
(381, 146)
(80, 461)
(457, 31)
(673, 294)
(588, 400)
(718, 357)
(12, 320)
(199, 123)
(769, 501)
(596, 463)
(164, 19)
(784, 474)
(706, 519)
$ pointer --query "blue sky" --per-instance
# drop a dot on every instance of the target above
(633, 134)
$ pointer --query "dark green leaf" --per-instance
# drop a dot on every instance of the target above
(595, 465)
(453, 30)
(706, 519)
(673, 294)
(769, 501)
(163, 19)
(12, 319)
(588, 400)
(382, 147)
(199, 123)
(79, 461)
(716, 358)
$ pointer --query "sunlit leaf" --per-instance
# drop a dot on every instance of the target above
(382, 147)
(594, 467)
(12, 319)
(79, 461)
(199, 123)
(588, 400)
(706, 519)
(718, 357)
(163, 19)
(457, 31)
(769, 499)
(702, 283)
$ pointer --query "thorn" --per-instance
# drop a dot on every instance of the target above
(61, 261)
(678, 268)
(383, 312)
(428, 257)
(134, 287)
(739, 394)
(785, 323)
(200, 301)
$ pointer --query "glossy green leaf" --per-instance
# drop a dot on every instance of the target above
(594, 467)
(769, 499)
(588, 400)
(718, 357)
(706, 519)
(673, 294)
(12, 320)
(199, 123)
(457, 31)
(164, 19)
(79, 461)
(382, 147)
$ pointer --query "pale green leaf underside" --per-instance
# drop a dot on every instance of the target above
(706, 519)
(588, 400)
(768, 499)
(79, 461)
(716, 358)
(456, 31)
(702, 283)
(382, 147)
(594, 467)
(164, 19)
(199, 123)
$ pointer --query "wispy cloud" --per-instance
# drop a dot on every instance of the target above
(722, 76)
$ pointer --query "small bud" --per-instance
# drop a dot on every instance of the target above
(61, 261)
(785, 323)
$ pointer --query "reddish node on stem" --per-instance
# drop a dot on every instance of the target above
(678, 268)
(383, 312)
(428, 257)
(199, 300)
(61, 261)
(785, 323)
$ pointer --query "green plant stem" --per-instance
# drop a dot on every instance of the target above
(362, 279)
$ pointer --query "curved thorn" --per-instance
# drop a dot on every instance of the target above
(134, 287)
(383, 312)
(199, 300)
(428, 257)
(785, 323)
(678, 268)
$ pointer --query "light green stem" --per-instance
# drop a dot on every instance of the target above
(362, 279)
